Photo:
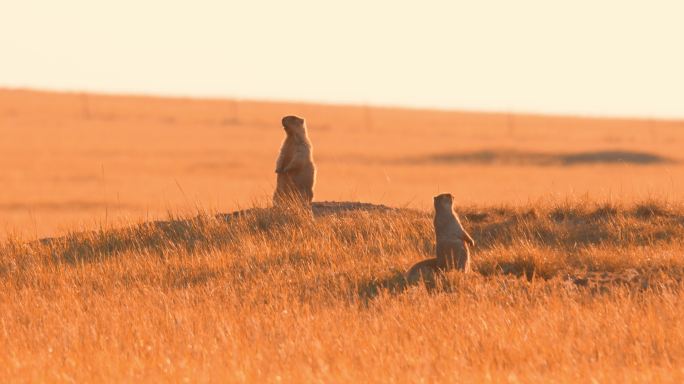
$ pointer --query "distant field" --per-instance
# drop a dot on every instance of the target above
(80, 161)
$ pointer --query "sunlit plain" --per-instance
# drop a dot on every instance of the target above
(72, 160)
(578, 224)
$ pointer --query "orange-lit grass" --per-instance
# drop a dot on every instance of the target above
(268, 297)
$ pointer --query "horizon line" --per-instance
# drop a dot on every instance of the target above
(341, 103)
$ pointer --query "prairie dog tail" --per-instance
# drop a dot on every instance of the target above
(424, 268)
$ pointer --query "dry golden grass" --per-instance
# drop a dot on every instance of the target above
(578, 222)
(266, 297)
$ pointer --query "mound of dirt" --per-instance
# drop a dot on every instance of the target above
(320, 209)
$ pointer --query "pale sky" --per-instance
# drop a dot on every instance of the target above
(599, 57)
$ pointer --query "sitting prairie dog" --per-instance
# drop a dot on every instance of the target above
(451, 238)
(295, 166)
(452, 241)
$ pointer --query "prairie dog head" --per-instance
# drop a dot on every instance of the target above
(444, 202)
(294, 126)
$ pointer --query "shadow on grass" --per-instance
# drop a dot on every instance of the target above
(396, 283)
(393, 284)
(509, 278)
(520, 268)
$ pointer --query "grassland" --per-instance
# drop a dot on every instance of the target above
(578, 265)
(267, 297)
(81, 161)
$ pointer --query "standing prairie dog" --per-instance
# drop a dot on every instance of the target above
(452, 242)
(295, 166)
